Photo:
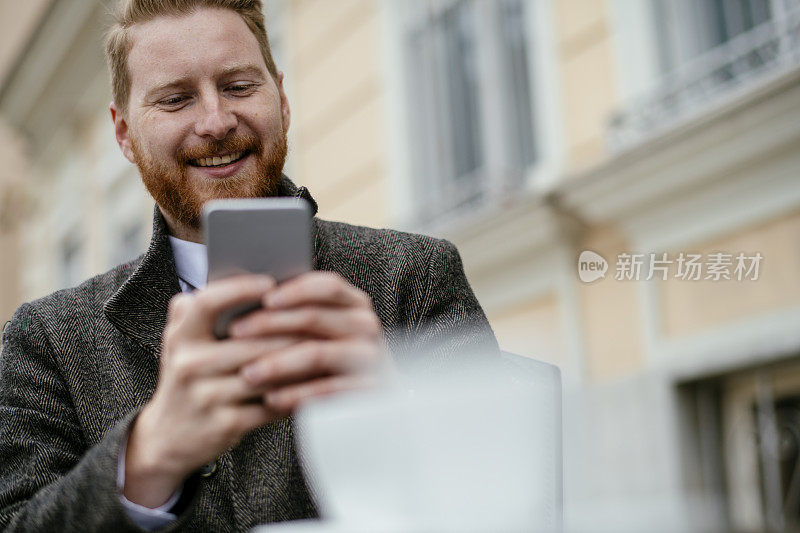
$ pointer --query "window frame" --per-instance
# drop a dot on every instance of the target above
(498, 186)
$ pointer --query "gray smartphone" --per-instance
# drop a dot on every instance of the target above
(257, 236)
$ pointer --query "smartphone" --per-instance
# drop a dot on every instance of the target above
(256, 236)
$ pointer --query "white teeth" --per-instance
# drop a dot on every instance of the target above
(217, 161)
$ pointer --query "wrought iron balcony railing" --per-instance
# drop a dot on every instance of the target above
(741, 64)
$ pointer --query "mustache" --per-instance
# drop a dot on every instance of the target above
(232, 144)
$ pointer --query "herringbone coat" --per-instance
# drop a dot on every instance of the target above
(78, 365)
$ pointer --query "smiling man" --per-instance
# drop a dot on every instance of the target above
(119, 409)
(201, 121)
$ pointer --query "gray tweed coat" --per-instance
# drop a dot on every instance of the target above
(77, 365)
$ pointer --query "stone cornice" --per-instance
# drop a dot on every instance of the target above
(692, 156)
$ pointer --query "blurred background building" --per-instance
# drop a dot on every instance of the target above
(526, 132)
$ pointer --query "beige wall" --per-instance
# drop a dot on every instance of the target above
(589, 92)
(338, 107)
(533, 329)
(693, 306)
(610, 313)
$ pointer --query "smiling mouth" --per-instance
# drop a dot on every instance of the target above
(218, 161)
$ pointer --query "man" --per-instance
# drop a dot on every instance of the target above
(119, 409)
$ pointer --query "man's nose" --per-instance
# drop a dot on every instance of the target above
(216, 119)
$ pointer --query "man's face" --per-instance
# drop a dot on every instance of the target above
(205, 118)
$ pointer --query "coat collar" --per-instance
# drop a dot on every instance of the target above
(138, 308)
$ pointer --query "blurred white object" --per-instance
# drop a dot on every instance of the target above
(481, 453)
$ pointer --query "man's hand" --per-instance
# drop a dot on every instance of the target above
(202, 404)
(341, 346)
(316, 335)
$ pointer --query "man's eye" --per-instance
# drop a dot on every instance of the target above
(173, 101)
(241, 89)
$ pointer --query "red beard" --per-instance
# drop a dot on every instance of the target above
(182, 199)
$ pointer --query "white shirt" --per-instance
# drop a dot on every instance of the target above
(192, 267)
(190, 262)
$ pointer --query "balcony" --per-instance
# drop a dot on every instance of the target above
(740, 65)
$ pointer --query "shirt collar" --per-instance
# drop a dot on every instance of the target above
(191, 262)
(154, 281)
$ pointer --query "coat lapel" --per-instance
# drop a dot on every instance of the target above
(139, 307)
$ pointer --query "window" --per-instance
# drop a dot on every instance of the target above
(514, 55)
(698, 26)
(744, 446)
(704, 50)
(469, 99)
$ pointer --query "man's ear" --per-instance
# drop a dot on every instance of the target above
(286, 113)
(121, 132)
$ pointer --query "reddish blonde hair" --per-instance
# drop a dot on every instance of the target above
(132, 12)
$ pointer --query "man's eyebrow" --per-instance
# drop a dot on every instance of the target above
(242, 68)
(173, 84)
(247, 69)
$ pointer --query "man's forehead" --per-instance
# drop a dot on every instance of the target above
(173, 46)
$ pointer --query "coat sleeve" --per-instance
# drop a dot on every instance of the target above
(50, 480)
(448, 324)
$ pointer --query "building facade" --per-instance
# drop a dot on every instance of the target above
(661, 135)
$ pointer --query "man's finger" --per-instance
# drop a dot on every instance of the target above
(329, 322)
(311, 359)
(212, 394)
(199, 310)
(318, 288)
(290, 397)
(223, 357)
